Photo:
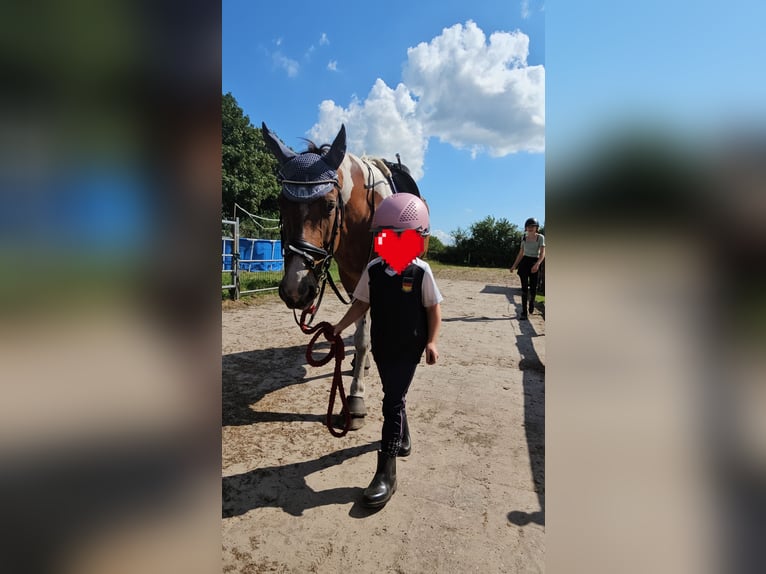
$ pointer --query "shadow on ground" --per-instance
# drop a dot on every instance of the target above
(285, 486)
(533, 382)
(249, 376)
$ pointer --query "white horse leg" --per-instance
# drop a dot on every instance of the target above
(362, 359)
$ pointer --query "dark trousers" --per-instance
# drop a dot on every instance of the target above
(396, 378)
(528, 279)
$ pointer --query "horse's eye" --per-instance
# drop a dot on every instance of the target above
(331, 206)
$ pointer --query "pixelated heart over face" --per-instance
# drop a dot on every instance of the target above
(399, 250)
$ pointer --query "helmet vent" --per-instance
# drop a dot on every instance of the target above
(410, 213)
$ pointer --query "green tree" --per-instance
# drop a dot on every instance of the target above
(487, 243)
(248, 169)
(435, 247)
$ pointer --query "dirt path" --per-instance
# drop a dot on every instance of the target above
(471, 496)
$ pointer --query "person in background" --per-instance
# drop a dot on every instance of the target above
(531, 255)
(405, 316)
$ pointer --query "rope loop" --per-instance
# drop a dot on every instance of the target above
(337, 352)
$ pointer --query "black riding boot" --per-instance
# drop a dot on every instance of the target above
(532, 301)
(523, 306)
(406, 447)
(383, 484)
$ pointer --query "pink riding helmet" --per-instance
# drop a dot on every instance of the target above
(400, 212)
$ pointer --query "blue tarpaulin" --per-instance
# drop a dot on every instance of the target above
(262, 252)
(226, 255)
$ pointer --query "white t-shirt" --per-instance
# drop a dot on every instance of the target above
(430, 292)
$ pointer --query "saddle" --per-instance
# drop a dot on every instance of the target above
(402, 180)
(397, 174)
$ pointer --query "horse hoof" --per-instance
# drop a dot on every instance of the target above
(339, 422)
(356, 407)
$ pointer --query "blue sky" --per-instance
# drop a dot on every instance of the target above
(456, 88)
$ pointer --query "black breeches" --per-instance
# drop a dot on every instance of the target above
(528, 279)
(396, 379)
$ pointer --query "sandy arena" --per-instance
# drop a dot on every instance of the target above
(470, 498)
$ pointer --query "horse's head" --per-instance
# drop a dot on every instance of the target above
(311, 211)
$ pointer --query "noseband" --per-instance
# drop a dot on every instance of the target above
(318, 259)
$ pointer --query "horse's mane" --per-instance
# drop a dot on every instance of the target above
(311, 147)
(398, 172)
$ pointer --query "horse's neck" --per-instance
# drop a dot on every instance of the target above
(373, 178)
(355, 246)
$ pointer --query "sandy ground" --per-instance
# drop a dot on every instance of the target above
(470, 498)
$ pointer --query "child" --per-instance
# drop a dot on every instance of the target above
(531, 255)
(405, 316)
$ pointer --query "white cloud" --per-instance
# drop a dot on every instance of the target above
(443, 236)
(332, 65)
(474, 94)
(323, 41)
(530, 6)
(288, 64)
(383, 125)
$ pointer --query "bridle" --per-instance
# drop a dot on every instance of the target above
(317, 259)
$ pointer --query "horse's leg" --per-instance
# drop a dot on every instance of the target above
(356, 405)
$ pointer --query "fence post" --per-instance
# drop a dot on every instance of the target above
(235, 262)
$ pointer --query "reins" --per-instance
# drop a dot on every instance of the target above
(337, 351)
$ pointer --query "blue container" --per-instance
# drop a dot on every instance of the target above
(263, 251)
(226, 253)
(254, 254)
(277, 254)
(245, 253)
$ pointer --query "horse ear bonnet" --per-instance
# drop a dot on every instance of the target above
(307, 176)
(275, 145)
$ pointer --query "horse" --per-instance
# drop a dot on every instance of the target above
(326, 205)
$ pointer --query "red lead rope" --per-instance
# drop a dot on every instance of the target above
(336, 350)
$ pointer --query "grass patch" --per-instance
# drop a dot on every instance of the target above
(249, 280)
(270, 279)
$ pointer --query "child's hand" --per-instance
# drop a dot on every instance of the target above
(432, 354)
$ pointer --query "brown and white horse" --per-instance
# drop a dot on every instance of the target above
(326, 206)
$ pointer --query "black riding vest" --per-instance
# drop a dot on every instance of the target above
(399, 325)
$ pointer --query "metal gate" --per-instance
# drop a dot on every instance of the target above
(261, 262)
